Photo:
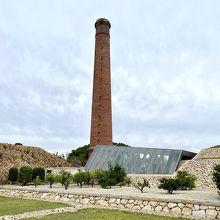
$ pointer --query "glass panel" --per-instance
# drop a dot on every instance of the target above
(135, 160)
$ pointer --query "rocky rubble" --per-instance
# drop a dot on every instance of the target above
(17, 156)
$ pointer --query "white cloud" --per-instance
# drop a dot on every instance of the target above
(165, 72)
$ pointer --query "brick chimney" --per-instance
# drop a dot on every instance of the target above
(101, 120)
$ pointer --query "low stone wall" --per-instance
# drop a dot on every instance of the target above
(202, 169)
(153, 179)
(208, 153)
(167, 207)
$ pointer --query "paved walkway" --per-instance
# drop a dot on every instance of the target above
(199, 195)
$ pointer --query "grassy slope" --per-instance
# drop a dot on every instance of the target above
(102, 214)
(12, 206)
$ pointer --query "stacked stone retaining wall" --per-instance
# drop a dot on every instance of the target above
(159, 206)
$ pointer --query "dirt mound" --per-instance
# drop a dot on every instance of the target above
(18, 156)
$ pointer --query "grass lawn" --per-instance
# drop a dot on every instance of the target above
(102, 214)
(12, 206)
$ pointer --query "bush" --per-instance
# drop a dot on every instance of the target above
(87, 178)
(79, 178)
(125, 182)
(186, 180)
(37, 181)
(216, 176)
(51, 178)
(64, 178)
(117, 173)
(40, 172)
(169, 184)
(25, 175)
(13, 175)
(141, 184)
(103, 179)
(93, 178)
(111, 177)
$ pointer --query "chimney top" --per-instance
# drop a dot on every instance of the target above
(102, 21)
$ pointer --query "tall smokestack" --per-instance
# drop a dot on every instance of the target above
(101, 120)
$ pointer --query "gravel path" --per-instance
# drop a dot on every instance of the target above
(205, 195)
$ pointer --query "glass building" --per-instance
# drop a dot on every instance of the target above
(138, 160)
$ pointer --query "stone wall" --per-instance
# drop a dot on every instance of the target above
(208, 153)
(202, 169)
(167, 207)
(152, 179)
(202, 166)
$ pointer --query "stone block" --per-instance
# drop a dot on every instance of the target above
(158, 209)
(196, 207)
(166, 210)
(112, 200)
(153, 203)
(187, 211)
(124, 201)
(198, 214)
(129, 206)
(84, 201)
(176, 210)
(147, 208)
(102, 202)
(181, 205)
(171, 205)
(211, 213)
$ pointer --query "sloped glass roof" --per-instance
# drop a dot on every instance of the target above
(137, 160)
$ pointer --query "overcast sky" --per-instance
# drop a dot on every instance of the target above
(165, 66)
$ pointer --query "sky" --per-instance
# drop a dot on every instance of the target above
(165, 72)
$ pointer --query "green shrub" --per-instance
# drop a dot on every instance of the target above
(64, 178)
(111, 177)
(93, 178)
(79, 178)
(25, 175)
(87, 178)
(186, 180)
(37, 181)
(51, 178)
(216, 176)
(141, 184)
(40, 172)
(13, 175)
(103, 179)
(169, 184)
(117, 173)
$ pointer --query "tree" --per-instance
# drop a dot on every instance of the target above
(37, 181)
(186, 180)
(117, 174)
(13, 175)
(168, 184)
(216, 176)
(79, 178)
(64, 178)
(141, 184)
(40, 172)
(51, 178)
(25, 175)
(103, 179)
(112, 176)
(79, 156)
